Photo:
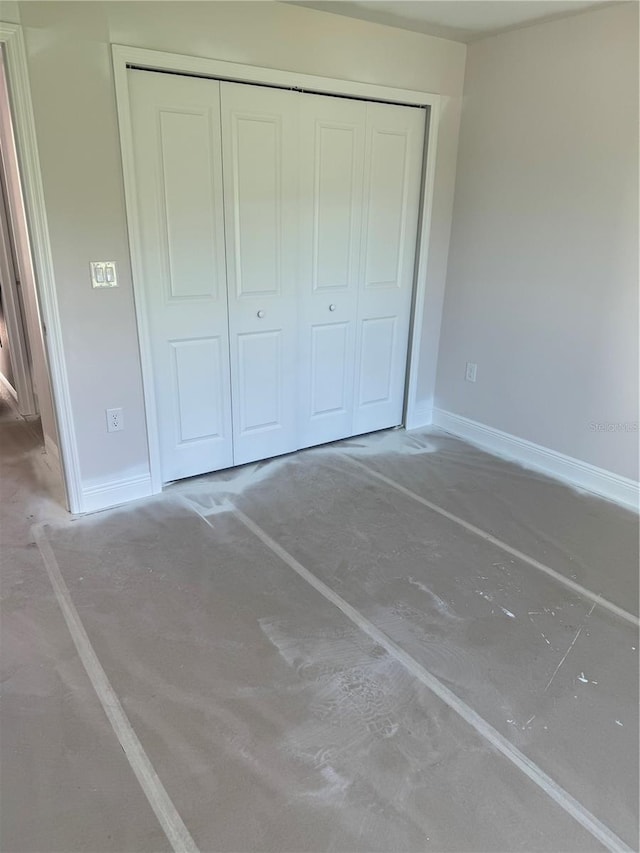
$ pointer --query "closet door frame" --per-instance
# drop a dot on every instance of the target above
(125, 57)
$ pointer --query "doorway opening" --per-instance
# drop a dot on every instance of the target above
(24, 367)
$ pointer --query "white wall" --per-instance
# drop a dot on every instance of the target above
(68, 47)
(542, 286)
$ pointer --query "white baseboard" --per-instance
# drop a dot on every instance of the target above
(116, 492)
(419, 415)
(604, 483)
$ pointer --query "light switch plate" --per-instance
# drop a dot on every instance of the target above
(103, 274)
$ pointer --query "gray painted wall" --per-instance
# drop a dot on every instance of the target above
(70, 71)
(542, 284)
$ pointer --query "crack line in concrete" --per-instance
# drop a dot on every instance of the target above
(571, 645)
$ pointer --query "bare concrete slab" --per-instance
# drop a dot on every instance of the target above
(590, 540)
(273, 721)
(549, 670)
(65, 784)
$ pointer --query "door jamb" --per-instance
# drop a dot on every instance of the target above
(16, 331)
(125, 57)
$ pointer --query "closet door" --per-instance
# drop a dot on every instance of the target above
(332, 134)
(260, 163)
(176, 141)
(393, 169)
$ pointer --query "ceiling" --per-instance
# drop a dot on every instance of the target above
(460, 20)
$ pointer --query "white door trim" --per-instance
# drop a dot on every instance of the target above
(12, 40)
(124, 56)
(415, 415)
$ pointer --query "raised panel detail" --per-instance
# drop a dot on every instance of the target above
(384, 235)
(376, 360)
(259, 371)
(200, 375)
(329, 366)
(333, 206)
(189, 199)
(257, 203)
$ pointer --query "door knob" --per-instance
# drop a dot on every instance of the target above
(260, 314)
(332, 307)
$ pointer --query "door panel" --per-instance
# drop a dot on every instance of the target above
(257, 203)
(378, 341)
(333, 198)
(387, 187)
(189, 215)
(259, 383)
(199, 407)
(393, 169)
(176, 140)
(260, 157)
(331, 173)
(330, 388)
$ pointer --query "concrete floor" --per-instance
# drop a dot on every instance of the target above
(397, 643)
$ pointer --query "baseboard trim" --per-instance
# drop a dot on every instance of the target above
(116, 492)
(583, 475)
(419, 416)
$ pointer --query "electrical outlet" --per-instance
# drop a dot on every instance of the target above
(115, 420)
(470, 372)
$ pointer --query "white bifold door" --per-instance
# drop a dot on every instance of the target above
(260, 156)
(278, 236)
(360, 174)
(178, 168)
